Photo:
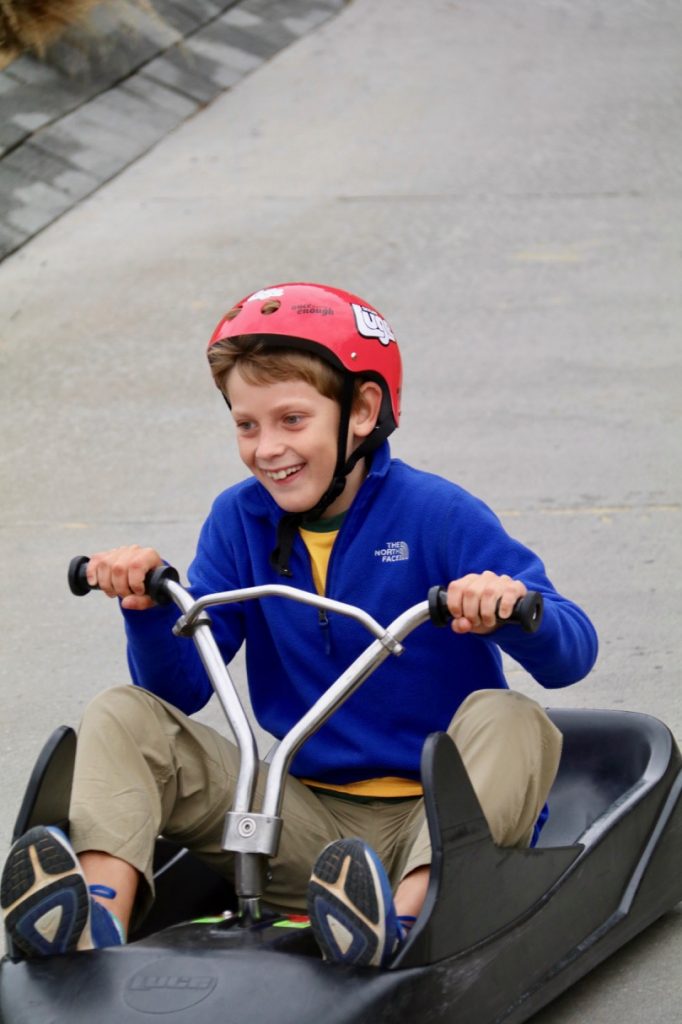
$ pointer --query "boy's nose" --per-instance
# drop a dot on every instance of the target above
(269, 445)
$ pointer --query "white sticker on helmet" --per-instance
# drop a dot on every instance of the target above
(266, 293)
(371, 325)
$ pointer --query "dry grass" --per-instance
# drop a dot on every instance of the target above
(33, 24)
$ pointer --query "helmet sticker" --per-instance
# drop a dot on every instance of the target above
(371, 325)
(266, 293)
(309, 307)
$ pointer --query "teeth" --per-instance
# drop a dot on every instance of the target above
(281, 474)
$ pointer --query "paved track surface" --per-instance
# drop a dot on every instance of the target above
(503, 181)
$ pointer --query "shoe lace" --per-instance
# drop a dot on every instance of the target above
(105, 892)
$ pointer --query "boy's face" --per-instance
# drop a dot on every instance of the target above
(287, 435)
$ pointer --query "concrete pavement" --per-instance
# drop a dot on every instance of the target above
(504, 182)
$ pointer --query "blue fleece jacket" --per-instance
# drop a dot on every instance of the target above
(405, 531)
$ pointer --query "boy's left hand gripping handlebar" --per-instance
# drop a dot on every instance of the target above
(527, 611)
(154, 581)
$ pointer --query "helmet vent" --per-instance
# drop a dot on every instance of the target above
(233, 313)
(271, 306)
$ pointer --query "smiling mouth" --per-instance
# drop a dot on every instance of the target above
(282, 474)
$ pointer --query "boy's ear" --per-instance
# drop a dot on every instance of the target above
(366, 408)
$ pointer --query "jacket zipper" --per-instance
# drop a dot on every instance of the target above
(323, 620)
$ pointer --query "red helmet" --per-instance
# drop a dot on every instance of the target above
(337, 326)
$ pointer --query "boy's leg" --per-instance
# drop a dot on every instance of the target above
(144, 768)
(141, 767)
(114, 882)
(511, 751)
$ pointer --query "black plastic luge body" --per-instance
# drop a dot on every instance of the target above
(154, 581)
(527, 612)
(619, 774)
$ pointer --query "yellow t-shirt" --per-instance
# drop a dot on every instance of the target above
(319, 544)
(319, 538)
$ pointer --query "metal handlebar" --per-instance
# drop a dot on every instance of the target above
(253, 836)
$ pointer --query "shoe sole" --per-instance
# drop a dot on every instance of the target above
(44, 897)
(346, 905)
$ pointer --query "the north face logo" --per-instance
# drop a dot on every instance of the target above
(393, 551)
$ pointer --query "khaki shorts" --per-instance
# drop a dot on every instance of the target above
(143, 768)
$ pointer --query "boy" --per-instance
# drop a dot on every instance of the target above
(312, 376)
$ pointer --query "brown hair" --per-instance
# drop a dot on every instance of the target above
(262, 363)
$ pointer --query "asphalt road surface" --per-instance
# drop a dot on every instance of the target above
(504, 182)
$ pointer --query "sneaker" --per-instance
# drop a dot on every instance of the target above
(45, 900)
(351, 906)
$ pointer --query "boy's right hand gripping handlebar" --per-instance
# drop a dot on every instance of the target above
(153, 582)
(527, 612)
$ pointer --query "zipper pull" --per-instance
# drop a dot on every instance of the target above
(323, 619)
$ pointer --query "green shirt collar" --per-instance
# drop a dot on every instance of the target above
(324, 525)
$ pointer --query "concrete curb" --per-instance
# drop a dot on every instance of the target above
(101, 100)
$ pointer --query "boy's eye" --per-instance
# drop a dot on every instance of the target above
(293, 419)
(244, 426)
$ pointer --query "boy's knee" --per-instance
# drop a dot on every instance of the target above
(506, 712)
(493, 706)
(127, 707)
(498, 705)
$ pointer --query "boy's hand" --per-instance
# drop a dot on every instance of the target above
(473, 601)
(121, 572)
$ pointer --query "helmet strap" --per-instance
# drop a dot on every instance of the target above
(290, 522)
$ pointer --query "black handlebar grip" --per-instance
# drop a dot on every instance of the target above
(527, 611)
(154, 581)
(78, 581)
